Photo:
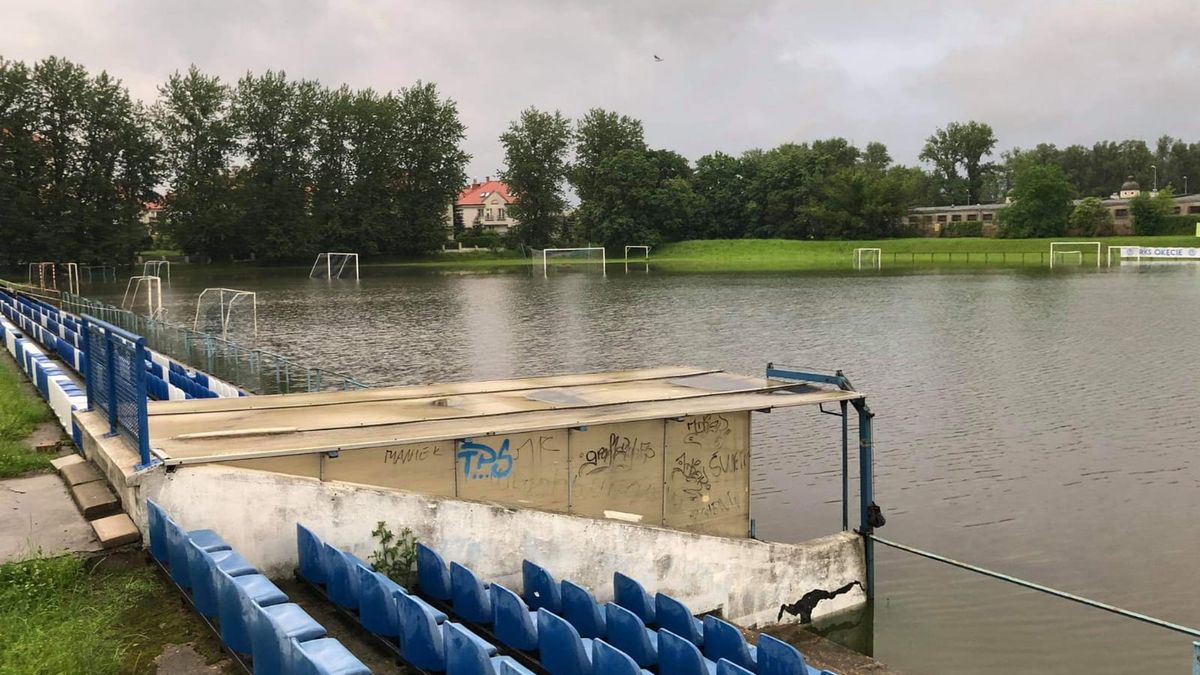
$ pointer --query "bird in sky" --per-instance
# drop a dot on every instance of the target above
(657, 58)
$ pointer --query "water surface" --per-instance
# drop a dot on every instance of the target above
(1042, 425)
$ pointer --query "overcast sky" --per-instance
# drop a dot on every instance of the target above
(734, 75)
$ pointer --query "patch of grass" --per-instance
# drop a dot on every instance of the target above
(768, 255)
(20, 412)
(62, 615)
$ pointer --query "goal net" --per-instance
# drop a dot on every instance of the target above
(569, 256)
(333, 265)
(641, 251)
(226, 310)
(1073, 252)
(868, 258)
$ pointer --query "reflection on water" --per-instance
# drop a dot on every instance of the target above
(1042, 425)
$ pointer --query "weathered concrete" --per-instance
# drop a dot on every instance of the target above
(823, 653)
(80, 473)
(114, 531)
(748, 580)
(183, 660)
(95, 500)
(37, 516)
(60, 463)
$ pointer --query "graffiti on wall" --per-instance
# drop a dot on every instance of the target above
(480, 461)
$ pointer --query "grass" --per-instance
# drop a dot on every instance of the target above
(768, 255)
(20, 412)
(66, 615)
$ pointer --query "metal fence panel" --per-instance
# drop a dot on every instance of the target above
(116, 381)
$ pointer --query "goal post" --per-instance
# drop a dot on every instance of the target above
(226, 299)
(331, 265)
(637, 247)
(578, 252)
(868, 254)
(1067, 248)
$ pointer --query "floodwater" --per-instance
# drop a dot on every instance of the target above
(1043, 425)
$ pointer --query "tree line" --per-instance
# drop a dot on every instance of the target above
(268, 168)
(273, 169)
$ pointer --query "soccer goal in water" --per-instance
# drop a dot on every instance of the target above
(585, 254)
(868, 257)
(637, 247)
(1072, 252)
(220, 303)
(332, 265)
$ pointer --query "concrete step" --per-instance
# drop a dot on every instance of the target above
(67, 460)
(113, 531)
(80, 473)
(95, 500)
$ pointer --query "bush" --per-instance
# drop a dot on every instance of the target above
(396, 556)
(1182, 226)
(967, 228)
(482, 239)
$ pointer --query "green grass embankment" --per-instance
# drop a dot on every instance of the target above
(111, 617)
(770, 255)
(20, 413)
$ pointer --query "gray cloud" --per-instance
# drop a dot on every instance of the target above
(735, 75)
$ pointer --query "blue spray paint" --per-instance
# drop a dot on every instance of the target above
(488, 463)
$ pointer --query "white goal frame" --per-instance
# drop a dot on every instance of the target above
(603, 256)
(328, 255)
(154, 268)
(153, 286)
(1054, 244)
(645, 249)
(858, 257)
(233, 295)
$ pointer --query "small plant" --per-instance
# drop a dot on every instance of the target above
(396, 555)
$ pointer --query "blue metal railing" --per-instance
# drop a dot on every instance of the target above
(115, 365)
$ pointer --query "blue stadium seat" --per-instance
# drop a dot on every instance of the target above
(311, 552)
(723, 640)
(512, 622)
(202, 568)
(511, 668)
(540, 589)
(627, 633)
(433, 578)
(377, 602)
(235, 597)
(630, 595)
(158, 531)
(421, 641)
(342, 577)
(465, 654)
(175, 538)
(271, 631)
(677, 618)
(582, 611)
(679, 656)
(560, 649)
(472, 600)
(609, 660)
(324, 656)
(776, 657)
(727, 667)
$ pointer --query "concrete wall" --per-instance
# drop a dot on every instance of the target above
(256, 511)
(690, 474)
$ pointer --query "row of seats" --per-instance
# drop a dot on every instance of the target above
(54, 385)
(254, 617)
(564, 625)
(61, 332)
(424, 635)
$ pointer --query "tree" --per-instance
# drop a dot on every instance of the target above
(535, 152)
(719, 185)
(600, 136)
(1041, 203)
(23, 166)
(192, 117)
(960, 145)
(1091, 218)
(1152, 212)
(431, 166)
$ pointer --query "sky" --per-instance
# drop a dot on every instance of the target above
(734, 75)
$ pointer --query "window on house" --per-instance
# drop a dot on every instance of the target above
(942, 218)
(1121, 213)
(987, 217)
(501, 216)
(927, 219)
(1176, 210)
(1194, 209)
(488, 214)
(956, 218)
